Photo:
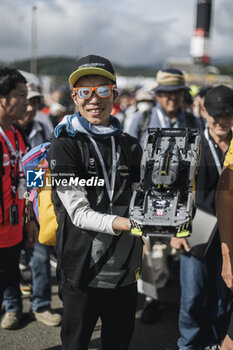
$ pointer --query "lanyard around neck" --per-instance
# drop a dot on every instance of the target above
(110, 188)
(162, 121)
(14, 155)
(161, 118)
(9, 144)
(213, 152)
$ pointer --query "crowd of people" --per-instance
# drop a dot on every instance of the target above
(96, 130)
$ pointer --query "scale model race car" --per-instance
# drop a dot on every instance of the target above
(164, 202)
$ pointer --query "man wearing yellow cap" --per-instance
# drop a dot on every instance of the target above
(98, 263)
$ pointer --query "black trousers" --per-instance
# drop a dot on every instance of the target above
(82, 308)
(9, 268)
(230, 328)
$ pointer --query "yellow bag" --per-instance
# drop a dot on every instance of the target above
(47, 216)
(37, 173)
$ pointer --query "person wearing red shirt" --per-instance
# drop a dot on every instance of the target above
(13, 105)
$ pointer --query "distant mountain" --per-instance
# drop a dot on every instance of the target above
(61, 67)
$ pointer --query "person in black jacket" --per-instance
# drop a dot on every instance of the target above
(204, 296)
(98, 260)
(224, 207)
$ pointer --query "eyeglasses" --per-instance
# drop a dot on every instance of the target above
(103, 91)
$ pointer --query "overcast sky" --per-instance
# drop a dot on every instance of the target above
(128, 32)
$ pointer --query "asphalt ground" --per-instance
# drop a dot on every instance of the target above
(160, 336)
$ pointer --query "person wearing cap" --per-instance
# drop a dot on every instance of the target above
(224, 208)
(38, 256)
(204, 296)
(36, 131)
(198, 104)
(168, 112)
(98, 260)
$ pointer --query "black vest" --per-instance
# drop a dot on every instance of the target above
(74, 245)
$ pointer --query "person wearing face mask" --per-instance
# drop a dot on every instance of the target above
(145, 101)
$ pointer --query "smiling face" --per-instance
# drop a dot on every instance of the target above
(95, 109)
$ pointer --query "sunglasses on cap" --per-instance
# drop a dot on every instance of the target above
(103, 91)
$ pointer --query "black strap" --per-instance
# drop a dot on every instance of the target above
(95, 269)
(1, 186)
(143, 123)
(13, 159)
(2, 167)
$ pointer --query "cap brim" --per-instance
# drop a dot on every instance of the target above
(218, 111)
(170, 88)
(32, 94)
(79, 73)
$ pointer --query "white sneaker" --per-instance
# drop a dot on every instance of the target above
(11, 320)
(47, 317)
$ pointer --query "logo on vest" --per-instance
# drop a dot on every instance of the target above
(92, 167)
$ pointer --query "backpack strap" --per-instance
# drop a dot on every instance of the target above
(143, 123)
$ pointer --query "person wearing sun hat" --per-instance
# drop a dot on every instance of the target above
(168, 112)
(98, 260)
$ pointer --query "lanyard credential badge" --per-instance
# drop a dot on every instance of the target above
(14, 214)
(22, 188)
(15, 156)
